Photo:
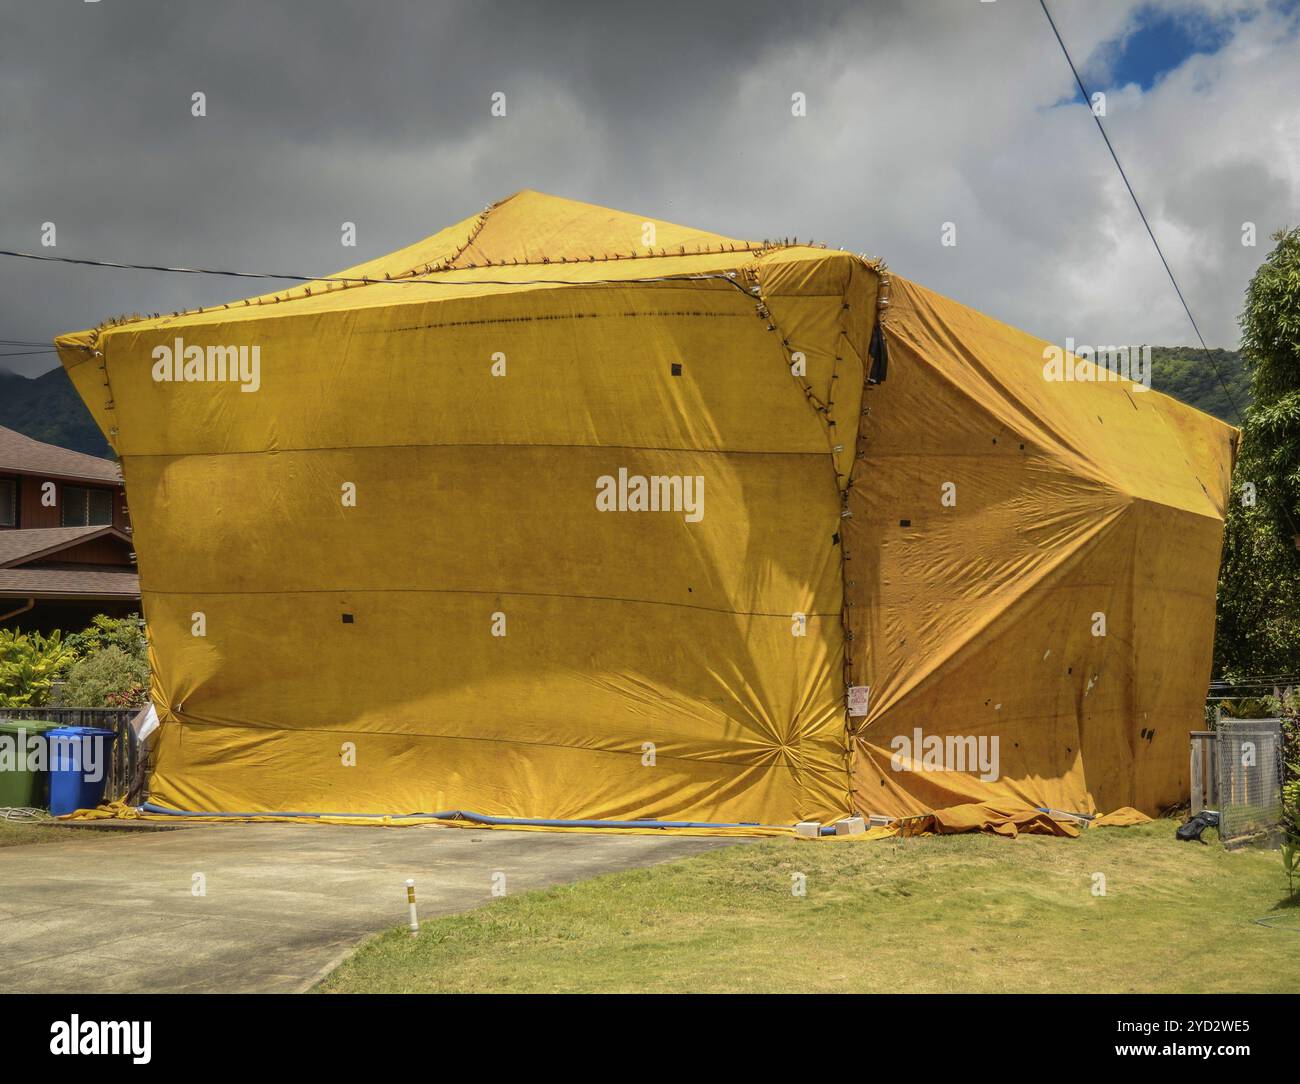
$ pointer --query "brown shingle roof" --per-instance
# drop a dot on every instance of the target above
(24, 545)
(23, 455)
(60, 583)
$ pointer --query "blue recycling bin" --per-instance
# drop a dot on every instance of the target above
(79, 761)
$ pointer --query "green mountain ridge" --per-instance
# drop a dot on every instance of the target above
(1185, 373)
(47, 408)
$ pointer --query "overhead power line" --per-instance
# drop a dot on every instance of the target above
(1087, 99)
(366, 281)
(1249, 679)
(185, 270)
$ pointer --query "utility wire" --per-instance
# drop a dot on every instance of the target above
(1261, 684)
(1265, 677)
(1087, 100)
(183, 271)
(409, 281)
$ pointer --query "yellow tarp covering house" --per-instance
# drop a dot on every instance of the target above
(568, 513)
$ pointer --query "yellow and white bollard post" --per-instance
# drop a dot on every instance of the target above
(410, 901)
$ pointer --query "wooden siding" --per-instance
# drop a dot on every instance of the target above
(97, 551)
(32, 513)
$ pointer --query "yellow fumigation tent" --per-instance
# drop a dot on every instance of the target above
(566, 513)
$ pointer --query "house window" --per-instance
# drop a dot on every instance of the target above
(83, 507)
(8, 502)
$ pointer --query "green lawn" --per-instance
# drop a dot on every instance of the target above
(17, 833)
(954, 913)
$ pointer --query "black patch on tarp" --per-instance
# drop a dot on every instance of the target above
(879, 354)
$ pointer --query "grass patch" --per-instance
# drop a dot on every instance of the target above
(951, 913)
(19, 833)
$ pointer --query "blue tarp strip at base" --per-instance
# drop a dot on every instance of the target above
(460, 814)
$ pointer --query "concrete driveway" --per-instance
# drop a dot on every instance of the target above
(282, 903)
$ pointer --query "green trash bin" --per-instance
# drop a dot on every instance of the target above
(23, 784)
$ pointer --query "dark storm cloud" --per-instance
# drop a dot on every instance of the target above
(319, 113)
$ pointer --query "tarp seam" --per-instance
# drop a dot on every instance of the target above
(776, 756)
(486, 591)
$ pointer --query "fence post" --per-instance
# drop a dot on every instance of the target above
(1198, 767)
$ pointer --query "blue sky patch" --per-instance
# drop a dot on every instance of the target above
(1161, 42)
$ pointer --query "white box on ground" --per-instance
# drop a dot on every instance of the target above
(852, 826)
(810, 829)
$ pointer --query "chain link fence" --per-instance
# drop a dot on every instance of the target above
(1248, 778)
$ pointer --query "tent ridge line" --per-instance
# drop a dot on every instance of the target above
(474, 232)
(755, 248)
(851, 674)
(305, 291)
(842, 488)
(347, 283)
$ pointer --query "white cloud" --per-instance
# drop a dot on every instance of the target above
(913, 123)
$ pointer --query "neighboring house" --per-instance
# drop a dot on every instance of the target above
(65, 540)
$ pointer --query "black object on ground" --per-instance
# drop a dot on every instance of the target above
(1193, 828)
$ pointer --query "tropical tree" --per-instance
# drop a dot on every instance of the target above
(1259, 586)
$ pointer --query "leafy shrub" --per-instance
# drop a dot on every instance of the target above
(29, 665)
(108, 678)
(112, 670)
(103, 631)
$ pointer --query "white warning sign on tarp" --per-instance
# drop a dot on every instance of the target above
(859, 698)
